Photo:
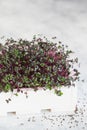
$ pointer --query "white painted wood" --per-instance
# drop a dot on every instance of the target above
(39, 101)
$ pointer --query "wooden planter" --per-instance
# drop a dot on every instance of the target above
(39, 101)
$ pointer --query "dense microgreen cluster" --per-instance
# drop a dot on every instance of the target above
(36, 64)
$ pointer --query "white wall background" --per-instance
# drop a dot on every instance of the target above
(66, 19)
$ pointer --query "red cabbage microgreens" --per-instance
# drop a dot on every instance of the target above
(36, 64)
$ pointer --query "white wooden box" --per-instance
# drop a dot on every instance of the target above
(39, 101)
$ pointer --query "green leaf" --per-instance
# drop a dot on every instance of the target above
(63, 79)
(38, 75)
(59, 47)
(58, 92)
(69, 52)
(42, 64)
(48, 79)
(16, 94)
(16, 52)
(25, 79)
(48, 87)
(7, 78)
(7, 87)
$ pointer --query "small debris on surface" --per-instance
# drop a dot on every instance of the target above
(76, 109)
(83, 80)
(21, 123)
(29, 119)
